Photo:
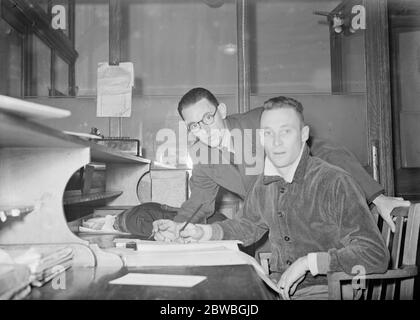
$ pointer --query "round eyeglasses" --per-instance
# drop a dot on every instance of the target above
(208, 119)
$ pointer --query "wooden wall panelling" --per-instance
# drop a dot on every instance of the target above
(378, 88)
(242, 31)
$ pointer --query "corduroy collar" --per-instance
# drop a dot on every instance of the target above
(299, 173)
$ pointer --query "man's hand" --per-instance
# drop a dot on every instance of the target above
(191, 233)
(165, 230)
(169, 231)
(386, 204)
(292, 277)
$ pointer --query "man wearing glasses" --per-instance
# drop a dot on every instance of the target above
(227, 165)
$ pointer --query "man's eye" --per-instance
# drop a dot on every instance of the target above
(208, 117)
(267, 133)
(193, 126)
(285, 131)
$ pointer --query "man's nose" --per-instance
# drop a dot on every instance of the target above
(206, 129)
(277, 141)
(203, 132)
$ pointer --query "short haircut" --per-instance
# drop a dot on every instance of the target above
(195, 95)
(285, 102)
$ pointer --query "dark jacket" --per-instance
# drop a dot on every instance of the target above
(321, 211)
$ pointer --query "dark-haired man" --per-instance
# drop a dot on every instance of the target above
(316, 214)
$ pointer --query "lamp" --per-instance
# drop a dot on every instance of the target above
(335, 20)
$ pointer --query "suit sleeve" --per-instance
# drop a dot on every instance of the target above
(343, 158)
(203, 191)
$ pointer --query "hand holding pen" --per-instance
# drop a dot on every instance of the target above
(190, 219)
(170, 231)
(190, 232)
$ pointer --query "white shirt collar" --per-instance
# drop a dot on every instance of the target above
(271, 170)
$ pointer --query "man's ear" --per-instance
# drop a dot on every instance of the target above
(305, 133)
(222, 110)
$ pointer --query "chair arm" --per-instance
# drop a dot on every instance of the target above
(402, 272)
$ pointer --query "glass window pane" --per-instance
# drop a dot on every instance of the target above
(409, 95)
(61, 76)
(353, 62)
(291, 48)
(177, 45)
(41, 64)
(10, 61)
(43, 4)
(91, 37)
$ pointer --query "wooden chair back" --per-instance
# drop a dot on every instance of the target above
(398, 282)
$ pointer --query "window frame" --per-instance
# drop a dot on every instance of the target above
(29, 19)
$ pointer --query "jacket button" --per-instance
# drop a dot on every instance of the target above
(288, 262)
(280, 213)
(282, 190)
(286, 238)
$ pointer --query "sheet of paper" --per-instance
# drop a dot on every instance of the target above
(145, 245)
(114, 86)
(198, 256)
(94, 231)
(118, 105)
(260, 271)
(213, 257)
(165, 280)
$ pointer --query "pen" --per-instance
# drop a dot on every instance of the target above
(190, 218)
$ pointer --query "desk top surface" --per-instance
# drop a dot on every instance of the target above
(223, 282)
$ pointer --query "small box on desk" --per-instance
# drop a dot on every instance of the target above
(122, 144)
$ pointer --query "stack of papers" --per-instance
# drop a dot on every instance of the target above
(44, 263)
(14, 281)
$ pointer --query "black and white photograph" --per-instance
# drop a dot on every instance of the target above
(209, 157)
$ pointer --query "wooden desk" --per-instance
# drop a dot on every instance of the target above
(223, 283)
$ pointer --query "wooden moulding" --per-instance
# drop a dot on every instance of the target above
(37, 177)
(90, 197)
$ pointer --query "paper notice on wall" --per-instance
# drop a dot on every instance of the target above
(114, 88)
